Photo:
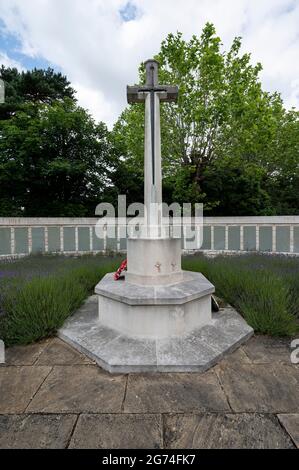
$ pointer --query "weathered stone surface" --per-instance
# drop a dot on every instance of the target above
(237, 357)
(60, 353)
(35, 431)
(112, 351)
(84, 320)
(118, 431)
(25, 355)
(115, 352)
(266, 349)
(258, 389)
(205, 346)
(89, 338)
(164, 393)
(155, 311)
(291, 424)
(189, 353)
(129, 354)
(145, 254)
(155, 321)
(79, 389)
(227, 331)
(267, 388)
(193, 286)
(224, 431)
(18, 385)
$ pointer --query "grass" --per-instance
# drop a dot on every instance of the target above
(38, 293)
(263, 288)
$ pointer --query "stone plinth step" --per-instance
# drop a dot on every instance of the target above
(192, 286)
(118, 353)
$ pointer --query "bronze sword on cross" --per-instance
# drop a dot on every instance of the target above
(166, 93)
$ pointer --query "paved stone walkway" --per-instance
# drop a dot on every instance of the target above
(53, 397)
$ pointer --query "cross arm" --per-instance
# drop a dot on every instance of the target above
(136, 94)
(171, 93)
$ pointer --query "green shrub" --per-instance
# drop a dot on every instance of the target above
(36, 307)
(38, 293)
(258, 287)
(39, 308)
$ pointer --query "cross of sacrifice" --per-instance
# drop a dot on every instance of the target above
(152, 93)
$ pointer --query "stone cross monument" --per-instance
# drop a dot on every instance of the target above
(152, 94)
(159, 318)
(153, 258)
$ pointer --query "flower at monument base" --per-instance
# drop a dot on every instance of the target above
(122, 267)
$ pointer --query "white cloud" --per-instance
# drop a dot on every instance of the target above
(293, 98)
(94, 101)
(8, 62)
(100, 53)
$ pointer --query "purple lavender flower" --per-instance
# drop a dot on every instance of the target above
(7, 274)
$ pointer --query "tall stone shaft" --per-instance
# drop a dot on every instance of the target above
(152, 93)
(152, 166)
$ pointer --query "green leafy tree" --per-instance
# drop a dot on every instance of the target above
(237, 188)
(53, 161)
(224, 126)
(284, 169)
(37, 85)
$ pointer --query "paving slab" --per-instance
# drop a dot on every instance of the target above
(35, 431)
(237, 357)
(79, 389)
(224, 431)
(18, 385)
(60, 353)
(291, 424)
(164, 393)
(25, 355)
(266, 349)
(270, 388)
(118, 431)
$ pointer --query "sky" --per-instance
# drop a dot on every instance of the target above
(99, 44)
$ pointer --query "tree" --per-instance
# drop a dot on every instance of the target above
(40, 86)
(53, 161)
(223, 119)
(237, 188)
(284, 169)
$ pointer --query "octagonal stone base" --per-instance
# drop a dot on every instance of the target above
(155, 311)
(116, 352)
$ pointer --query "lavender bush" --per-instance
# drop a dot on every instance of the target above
(38, 293)
(263, 288)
